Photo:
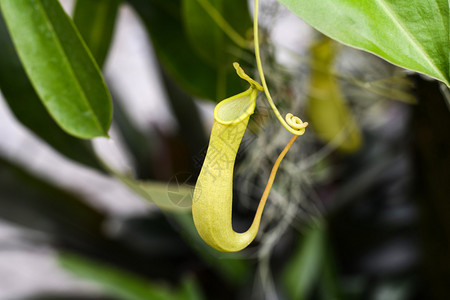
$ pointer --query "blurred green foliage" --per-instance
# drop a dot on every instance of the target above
(363, 242)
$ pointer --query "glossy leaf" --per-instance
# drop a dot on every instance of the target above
(95, 21)
(328, 112)
(411, 34)
(28, 109)
(59, 66)
(163, 20)
(206, 30)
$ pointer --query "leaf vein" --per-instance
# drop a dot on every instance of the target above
(70, 67)
(402, 28)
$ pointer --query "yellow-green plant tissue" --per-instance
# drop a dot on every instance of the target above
(213, 195)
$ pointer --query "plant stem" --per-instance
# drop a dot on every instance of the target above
(270, 181)
(295, 126)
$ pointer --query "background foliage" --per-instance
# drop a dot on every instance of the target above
(359, 209)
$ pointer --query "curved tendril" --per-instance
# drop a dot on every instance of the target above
(293, 123)
(244, 76)
(270, 181)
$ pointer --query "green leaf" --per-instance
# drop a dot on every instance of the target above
(171, 197)
(116, 282)
(330, 287)
(303, 269)
(190, 290)
(210, 24)
(164, 23)
(59, 66)
(411, 34)
(95, 21)
(167, 196)
(28, 109)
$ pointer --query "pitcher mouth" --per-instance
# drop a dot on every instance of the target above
(237, 108)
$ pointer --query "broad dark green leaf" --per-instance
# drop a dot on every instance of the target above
(28, 109)
(164, 23)
(206, 21)
(95, 21)
(59, 66)
(411, 34)
(117, 282)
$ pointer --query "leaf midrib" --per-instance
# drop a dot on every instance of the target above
(410, 37)
(61, 48)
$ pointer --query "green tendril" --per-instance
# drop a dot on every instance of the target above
(292, 123)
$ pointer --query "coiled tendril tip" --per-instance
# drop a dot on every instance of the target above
(296, 125)
(293, 124)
